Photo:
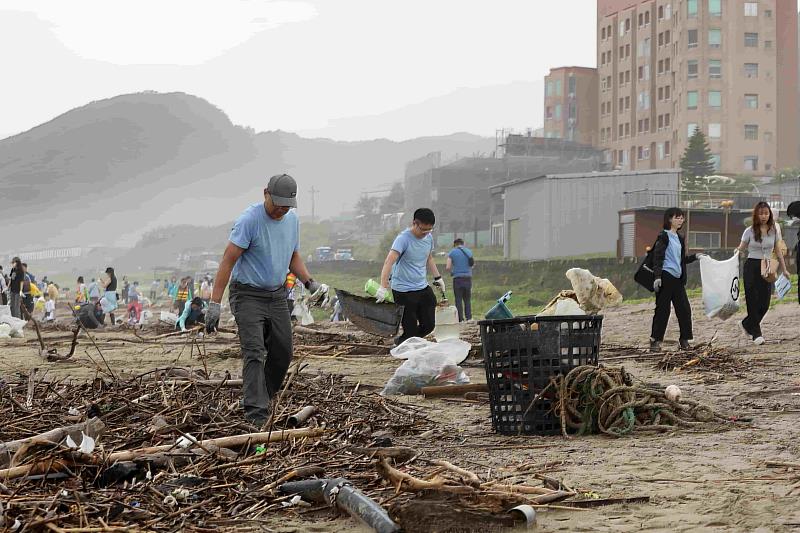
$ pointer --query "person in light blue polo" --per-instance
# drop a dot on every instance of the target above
(459, 264)
(406, 266)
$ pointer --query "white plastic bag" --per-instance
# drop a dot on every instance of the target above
(594, 294)
(720, 280)
(427, 363)
(16, 325)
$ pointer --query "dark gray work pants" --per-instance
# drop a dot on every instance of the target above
(265, 334)
(15, 303)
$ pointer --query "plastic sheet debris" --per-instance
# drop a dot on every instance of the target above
(720, 280)
(85, 443)
(15, 324)
(427, 364)
(594, 294)
(565, 303)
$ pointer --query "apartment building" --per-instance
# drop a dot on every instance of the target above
(727, 67)
(570, 105)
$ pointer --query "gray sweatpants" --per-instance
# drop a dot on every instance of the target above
(16, 298)
(265, 334)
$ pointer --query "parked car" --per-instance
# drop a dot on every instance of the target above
(323, 253)
(343, 254)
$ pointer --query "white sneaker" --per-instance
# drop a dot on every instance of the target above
(758, 341)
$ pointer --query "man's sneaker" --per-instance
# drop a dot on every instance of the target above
(758, 341)
(684, 344)
(655, 346)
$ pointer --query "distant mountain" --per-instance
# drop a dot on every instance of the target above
(111, 170)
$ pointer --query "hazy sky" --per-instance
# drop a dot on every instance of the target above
(316, 67)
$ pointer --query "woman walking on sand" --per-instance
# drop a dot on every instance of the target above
(669, 268)
(759, 240)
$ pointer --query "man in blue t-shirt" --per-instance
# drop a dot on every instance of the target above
(264, 245)
(406, 264)
(459, 265)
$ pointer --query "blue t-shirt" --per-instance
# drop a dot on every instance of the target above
(268, 247)
(410, 271)
(460, 260)
(672, 257)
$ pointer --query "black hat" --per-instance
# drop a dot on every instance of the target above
(793, 211)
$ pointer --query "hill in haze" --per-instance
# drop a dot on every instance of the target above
(109, 171)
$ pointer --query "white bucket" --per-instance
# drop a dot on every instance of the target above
(447, 324)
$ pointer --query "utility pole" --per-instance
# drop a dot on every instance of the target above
(313, 192)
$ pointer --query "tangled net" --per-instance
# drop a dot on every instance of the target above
(603, 400)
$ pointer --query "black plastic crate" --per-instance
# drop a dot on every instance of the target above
(521, 354)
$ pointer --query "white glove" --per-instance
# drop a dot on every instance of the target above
(657, 285)
(439, 282)
(380, 294)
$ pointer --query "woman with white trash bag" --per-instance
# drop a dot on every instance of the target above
(760, 269)
(669, 269)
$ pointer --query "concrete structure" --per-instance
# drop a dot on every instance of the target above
(458, 192)
(715, 220)
(729, 68)
(570, 105)
(570, 214)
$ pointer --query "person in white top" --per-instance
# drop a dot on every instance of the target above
(759, 240)
(49, 308)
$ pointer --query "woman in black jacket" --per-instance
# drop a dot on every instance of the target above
(669, 268)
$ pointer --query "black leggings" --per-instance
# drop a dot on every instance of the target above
(757, 293)
(419, 315)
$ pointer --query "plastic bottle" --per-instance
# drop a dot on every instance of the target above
(372, 287)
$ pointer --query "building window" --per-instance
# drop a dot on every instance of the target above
(714, 130)
(667, 37)
(691, 130)
(660, 150)
(558, 112)
(768, 13)
(667, 93)
(621, 131)
(660, 122)
(627, 102)
(646, 18)
(641, 19)
(691, 100)
(643, 102)
(666, 120)
(603, 33)
(751, 162)
(627, 25)
(692, 39)
(667, 11)
(751, 40)
(627, 50)
(573, 111)
(643, 50)
(558, 87)
(716, 161)
(660, 66)
(751, 9)
(667, 65)
(692, 67)
(644, 73)
(660, 12)
(691, 8)
(714, 38)
(627, 129)
(572, 85)
(627, 76)
(767, 44)
(704, 240)
(660, 94)
(767, 136)
(666, 148)
(661, 39)
(751, 70)
(714, 68)
(751, 132)
(715, 99)
(715, 8)
(751, 101)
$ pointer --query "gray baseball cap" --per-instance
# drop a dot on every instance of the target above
(283, 190)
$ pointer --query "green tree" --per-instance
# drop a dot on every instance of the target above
(367, 205)
(787, 174)
(697, 161)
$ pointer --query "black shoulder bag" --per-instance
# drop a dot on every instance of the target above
(644, 275)
(470, 259)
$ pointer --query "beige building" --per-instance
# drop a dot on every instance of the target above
(728, 67)
(570, 105)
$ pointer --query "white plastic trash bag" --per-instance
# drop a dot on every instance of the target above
(16, 325)
(426, 364)
(720, 280)
(594, 294)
